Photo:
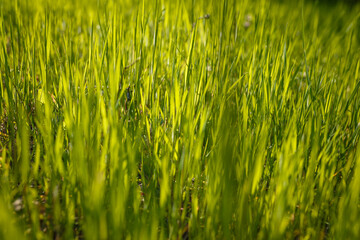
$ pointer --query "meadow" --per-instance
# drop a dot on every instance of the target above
(184, 119)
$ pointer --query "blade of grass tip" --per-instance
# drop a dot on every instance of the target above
(190, 52)
(303, 45)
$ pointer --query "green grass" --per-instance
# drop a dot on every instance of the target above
(175, 119)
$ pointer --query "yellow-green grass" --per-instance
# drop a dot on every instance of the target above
(179, 119)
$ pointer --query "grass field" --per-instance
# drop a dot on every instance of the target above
(179, 119)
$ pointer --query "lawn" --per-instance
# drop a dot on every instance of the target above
(183, 119)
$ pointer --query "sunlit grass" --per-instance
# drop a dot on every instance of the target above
(179, 119)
